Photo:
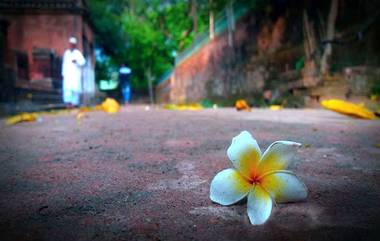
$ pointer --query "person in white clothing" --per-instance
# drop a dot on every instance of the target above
(72, 63)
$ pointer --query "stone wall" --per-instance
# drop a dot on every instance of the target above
(245, 66)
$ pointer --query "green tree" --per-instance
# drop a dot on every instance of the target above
(145, 33)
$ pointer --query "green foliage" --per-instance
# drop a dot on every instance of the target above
(102, 71)
(144, 34)
(105, 16)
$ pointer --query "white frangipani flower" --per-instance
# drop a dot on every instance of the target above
(261, 177)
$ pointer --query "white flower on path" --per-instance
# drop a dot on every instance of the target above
(261, 177)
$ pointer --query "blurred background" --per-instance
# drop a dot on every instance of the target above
(284, 52)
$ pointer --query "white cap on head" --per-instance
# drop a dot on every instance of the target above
(73, 40)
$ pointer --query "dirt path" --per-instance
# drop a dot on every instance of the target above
(145, 175)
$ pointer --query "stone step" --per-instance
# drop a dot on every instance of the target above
(39, 96)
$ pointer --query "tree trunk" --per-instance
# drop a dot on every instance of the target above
(230, 23)
(194, 15)
(150, 85)
(310, 71)
(211, 20)
(330, 33)
(310, 44)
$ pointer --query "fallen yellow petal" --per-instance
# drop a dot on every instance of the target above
(275, 107)
(110, 106)
(242, 105)
(87, 108)
(348, 108)
(23, 117)
(80, 115)
(192, 107)
(98, 107)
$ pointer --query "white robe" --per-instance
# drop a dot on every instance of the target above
(88, 82)
(72, 72)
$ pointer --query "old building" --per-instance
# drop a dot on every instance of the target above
(34, 35)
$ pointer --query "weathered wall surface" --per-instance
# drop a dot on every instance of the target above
(28, 32)
(223, 68)
(267, 57)
(35, 43)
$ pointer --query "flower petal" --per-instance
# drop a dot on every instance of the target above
(229, 187)
(284, 187)
(259, 205)
(244, 153)
(277, 156)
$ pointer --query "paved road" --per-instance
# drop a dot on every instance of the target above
(145, 175)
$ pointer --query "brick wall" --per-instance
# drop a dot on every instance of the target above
(46, 32)
(222, 69)
(190, 77)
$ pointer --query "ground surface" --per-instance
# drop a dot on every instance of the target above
(145, 175)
